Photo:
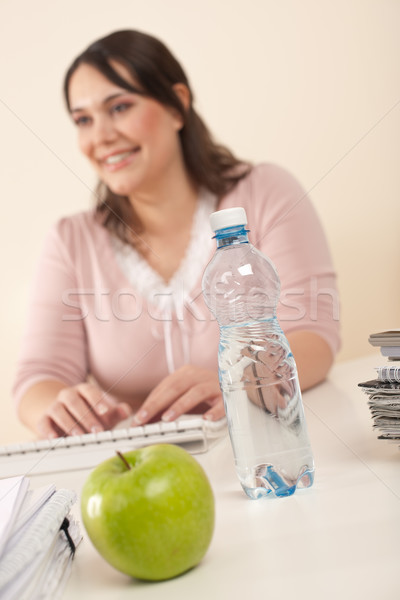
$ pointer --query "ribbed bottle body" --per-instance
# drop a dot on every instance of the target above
(263, 403)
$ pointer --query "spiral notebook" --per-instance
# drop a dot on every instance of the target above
(70, 453)
(38, 540)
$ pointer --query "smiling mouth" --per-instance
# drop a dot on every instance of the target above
(118, 158)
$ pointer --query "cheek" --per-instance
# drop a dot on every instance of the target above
(84, 144)
(148, 123)
(152, 122)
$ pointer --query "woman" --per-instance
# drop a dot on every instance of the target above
(118, 326)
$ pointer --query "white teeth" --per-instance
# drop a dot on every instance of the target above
(115, 158)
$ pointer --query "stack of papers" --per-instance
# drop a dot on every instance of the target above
(38, 539)
(384, 391)
(384, 404)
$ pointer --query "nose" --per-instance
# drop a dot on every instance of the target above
(103, 131)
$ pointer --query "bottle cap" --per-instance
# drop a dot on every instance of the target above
(228, 217)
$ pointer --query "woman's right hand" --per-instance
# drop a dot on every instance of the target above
(83, 408)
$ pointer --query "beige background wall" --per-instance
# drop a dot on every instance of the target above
(311, 85)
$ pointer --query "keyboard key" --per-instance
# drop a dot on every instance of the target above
(152, 428)
(120, 434)
(168, 426)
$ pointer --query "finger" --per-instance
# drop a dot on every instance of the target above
(104, 412)
(63, 420)
(119, 413)
(206, 392)
(47, 429)
(78, 409)
(99, 402)
(163, 395)
(216, 412)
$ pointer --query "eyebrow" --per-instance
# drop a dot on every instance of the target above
(104, 101)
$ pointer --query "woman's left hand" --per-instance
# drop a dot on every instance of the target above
(182, 392)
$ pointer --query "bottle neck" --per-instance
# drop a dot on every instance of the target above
(230, 236)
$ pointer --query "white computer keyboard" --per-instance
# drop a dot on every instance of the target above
(193, 433)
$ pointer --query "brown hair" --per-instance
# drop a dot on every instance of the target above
(156, 70)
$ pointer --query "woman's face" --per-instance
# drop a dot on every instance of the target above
(131, 140)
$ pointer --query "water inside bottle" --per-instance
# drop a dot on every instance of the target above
(264, 410)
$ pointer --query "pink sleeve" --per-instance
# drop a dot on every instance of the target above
(285, 226)
(53, 344)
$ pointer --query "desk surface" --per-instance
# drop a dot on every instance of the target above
(339, 539)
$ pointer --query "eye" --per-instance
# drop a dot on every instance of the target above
(120, 107)
(81, 120)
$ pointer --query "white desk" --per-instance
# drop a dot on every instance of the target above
(338, 540)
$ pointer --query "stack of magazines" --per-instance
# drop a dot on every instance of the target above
(384, 391)
(38, 539)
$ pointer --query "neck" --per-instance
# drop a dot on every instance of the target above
(168, 209)
(166, 219)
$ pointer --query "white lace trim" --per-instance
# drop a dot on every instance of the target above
(149, 283)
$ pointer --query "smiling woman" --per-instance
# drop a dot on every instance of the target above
(129, 138)
(147, 243)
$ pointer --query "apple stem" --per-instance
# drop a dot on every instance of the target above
(122, 457)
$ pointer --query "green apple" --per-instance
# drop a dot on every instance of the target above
(149, 512)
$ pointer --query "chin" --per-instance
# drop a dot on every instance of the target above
(119, 189)
(125, 184)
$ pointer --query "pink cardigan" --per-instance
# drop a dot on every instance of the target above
(88, 318)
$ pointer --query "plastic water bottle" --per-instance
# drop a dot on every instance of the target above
(257, 371)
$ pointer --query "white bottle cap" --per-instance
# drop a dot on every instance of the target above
(228, 217)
